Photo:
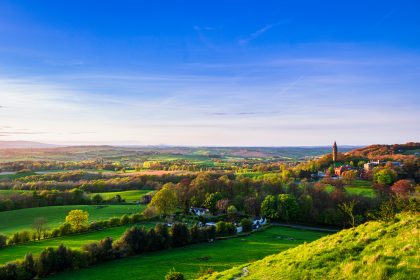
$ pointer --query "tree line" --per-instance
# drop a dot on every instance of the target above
(135, 240)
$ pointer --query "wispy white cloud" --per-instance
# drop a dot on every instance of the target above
(259, 32)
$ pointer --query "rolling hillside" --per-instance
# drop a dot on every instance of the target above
(396, 151)
(374, 250)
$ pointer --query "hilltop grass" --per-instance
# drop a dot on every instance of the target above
(128, 196)
(189, 260)
(74, 241)
(374, 250)
(22, 219)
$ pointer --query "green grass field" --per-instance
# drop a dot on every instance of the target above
(189, 260)
(74, 241)
(357, 187)
(12, 192)
(22, 219)
(129, 196)
(13, 176)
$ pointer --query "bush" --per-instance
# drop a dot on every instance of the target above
(180, 235)
(246, 225)
(3, 240)
(164, 239)
(173, 275)
(125, 219)
(114, 222)
(225, 229)
(133, 241)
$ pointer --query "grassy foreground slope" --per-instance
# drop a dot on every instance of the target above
(374, 250)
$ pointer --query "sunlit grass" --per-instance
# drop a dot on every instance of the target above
(189, 260)
(22, 219)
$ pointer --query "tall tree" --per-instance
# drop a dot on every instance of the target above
(77, 218)
(165, 200)
(40, 227)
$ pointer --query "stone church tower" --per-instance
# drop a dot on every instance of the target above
(334, 152)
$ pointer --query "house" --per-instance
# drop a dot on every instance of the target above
(370, 165)
(210, 224)
(257, 223)
(340, 170)
(239, 229)
(199, 211)
(321, 174)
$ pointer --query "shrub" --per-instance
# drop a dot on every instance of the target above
(225, 229)
(180, 235)
(135, 218)
(173, 275)
(164, 239)
(113, 222)
(3, 240)
(124, 220)
(246, 225)
(133, 241)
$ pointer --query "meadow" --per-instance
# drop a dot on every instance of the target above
(189, 260)
(357, 187)
(128, 196)
(12, 192)
(74, 241)
(22, 219)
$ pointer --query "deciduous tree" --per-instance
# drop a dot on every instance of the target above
(77, 219)
(165, 200)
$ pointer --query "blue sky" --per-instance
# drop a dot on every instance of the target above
(235, 73)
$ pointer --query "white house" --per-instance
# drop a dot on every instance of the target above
(257, 223)
(199, 211)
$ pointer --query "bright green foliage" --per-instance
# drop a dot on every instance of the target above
(287, 207)
(173, 275)
(165, 200)
(385, 176)
(269, 207)
(211, 200)
(77, 218)
(374, 250)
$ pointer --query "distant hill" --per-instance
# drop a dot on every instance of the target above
(396, 151)
(374, 250)
(24, 145)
